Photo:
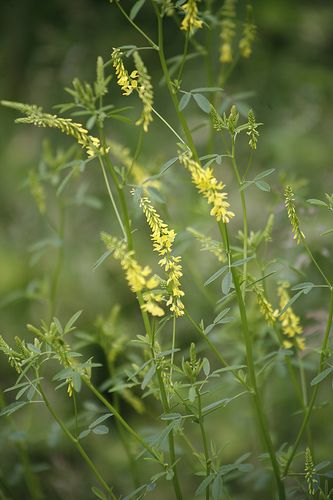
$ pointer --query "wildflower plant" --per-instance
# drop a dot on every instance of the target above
(176, 367)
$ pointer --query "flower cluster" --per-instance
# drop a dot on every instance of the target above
(139, 278)
(248, 36)
(209, 186)
(310, 472)
(36, 117)
(252, 129)
(126, 82)
(291, 209)
(208, 244)
(163, 239)
(227, 30)
(265, 306)
(191, 20)
(290, 322)
(145, 91)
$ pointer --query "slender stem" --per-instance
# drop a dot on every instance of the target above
(245, 224)
(213, 348)
(123, 422)
(112, 198)
(173, 346)
(182, 64)
(315, 262)
(59, 262)
(168, 125)
(164, 398)
(204, 438)
(149, 40)
(76, 443)
(251, 368)
(313, 398)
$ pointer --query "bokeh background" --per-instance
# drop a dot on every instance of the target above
(288, 82)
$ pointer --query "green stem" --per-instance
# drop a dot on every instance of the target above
(149, 40)
(76, 443)
(204, 438)
(315, 262)
(251, 369)
(112, 198)
(123, 422)
(245, 224)
(59, 262)
(313, 398)
(214, 349)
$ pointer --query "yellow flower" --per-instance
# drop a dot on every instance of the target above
(210, 187)
(265, 306)
(163, 239)
(139, 278)
(191, 20)
(249, 34)
(126, 82)
(145, 91)
(227, 30)
(291, 209)
(290, 322)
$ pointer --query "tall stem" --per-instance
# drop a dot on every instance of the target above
(313, 398)
(204, 438)
(251, 369)
(76, 443)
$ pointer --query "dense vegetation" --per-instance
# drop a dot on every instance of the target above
(166, 291)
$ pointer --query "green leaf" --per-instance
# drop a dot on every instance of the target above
(100, 429)
(306, 287)
(240, 262)
(72, 320)
(12, 408)
(329, 231)
(217, 488)
(226, 283)
(202, 102)
(208, 89)
(191, 394)
(263, 186)
(209, 328)
(136, 8)
(171, 416)
(84, 433)
(216, 275)
(321, 376)
(264, 174)
(58, 325)
(185, 99)
(98, 493)
(203, 485)
(319, 203)
(102, 259)
(291, 301)
(221, 315)
(149, 375)
(99, 420)
(206, 366)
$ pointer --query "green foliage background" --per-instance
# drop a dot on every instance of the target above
(288, 82)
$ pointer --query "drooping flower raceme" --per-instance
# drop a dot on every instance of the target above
(290, 322)
(191, 19)
(163, 239)
(139, 278)
(127, 82)
(209, 186)
(145, 91)
(291, 209)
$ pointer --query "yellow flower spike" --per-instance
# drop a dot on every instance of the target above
(191, 20)
(291, 209)
(138, 277)
(209, 187)
(290, 322)
(163, 239)
(145, 91)
(228, 28)
(126, 82)
(249, 34)
(265, 307)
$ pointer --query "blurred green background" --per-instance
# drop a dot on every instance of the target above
(287, 81)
